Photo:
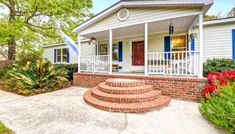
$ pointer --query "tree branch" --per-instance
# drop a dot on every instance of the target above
(34, 12)
(40, 27)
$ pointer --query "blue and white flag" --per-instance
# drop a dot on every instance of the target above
(69, 42)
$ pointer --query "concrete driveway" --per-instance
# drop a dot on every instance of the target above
(65, 112)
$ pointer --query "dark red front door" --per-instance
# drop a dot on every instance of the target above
(138, 53)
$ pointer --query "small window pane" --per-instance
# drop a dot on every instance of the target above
(64, 56)
(58, 55)
(64, 51)
(58, 51)
(58, 58)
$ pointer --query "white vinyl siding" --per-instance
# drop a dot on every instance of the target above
(217, 41)
(86, 49)
(140, 16)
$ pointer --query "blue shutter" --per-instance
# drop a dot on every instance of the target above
(187, 42)
(120, 51)
(54, 55)
(233, 43)
(192, 44)
(167, 46)
(68, 57)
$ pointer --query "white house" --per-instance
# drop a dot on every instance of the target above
(151, 37)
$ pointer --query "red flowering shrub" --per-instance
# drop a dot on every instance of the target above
(217, 80)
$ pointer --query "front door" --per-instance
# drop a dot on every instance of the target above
(138, 53)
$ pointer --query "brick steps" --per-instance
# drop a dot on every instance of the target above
(125, 98)
(125, 95)
(126, 107)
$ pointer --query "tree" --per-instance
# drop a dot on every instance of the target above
(211, 17)
(36, 21)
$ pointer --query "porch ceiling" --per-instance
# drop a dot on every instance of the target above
(138, 30)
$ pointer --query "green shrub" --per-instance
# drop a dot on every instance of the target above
(37, 77)
(5, 130)
(217, 65)
(70, 68)
(29, 56)
(3, 71)
(220, 109)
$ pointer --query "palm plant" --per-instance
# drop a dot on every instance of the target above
(38, 75)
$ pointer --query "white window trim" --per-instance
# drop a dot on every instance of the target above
(61, 56)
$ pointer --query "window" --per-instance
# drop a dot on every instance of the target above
(103, 50)
(61, 55)
(178, 44)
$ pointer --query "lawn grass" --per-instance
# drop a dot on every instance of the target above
(5, 130)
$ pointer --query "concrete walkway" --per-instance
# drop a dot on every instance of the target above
(65, 112)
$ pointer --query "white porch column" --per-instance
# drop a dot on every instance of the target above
(110, 51)
(79, 54)
(200, 74)
(146, 49)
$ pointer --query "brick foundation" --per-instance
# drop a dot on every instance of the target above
(185, 88)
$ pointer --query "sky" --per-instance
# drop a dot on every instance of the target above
(220, 6)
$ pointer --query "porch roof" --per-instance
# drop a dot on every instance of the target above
(180, 24)
(205, 4)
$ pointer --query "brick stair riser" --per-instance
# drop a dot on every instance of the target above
(126, 99)
(112, 83)
(114, 90)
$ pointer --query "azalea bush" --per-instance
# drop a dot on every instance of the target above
(217, 80)
(218, 65)
(219, 109)
(37, 77)
(219, 104)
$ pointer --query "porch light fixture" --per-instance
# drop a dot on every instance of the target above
(171, 28)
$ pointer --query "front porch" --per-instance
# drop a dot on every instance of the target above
(146, 49)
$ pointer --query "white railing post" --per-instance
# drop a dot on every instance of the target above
(79, 54)
(200, 75)
(110, 51)
(146, 49)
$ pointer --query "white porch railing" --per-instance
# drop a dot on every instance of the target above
(173, 63)
(95, 63)
(182, 63)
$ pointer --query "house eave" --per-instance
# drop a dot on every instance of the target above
(219, 21)
(120, 4)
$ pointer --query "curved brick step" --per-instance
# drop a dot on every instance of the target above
(125, 90)
(126, 107)
(124, 82)
(125, 98)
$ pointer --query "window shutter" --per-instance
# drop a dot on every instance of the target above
(167, 46)
(193, 45)
(120, 51)
(68, 56)
(233, 43)
(187, 42)
(54, 55)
